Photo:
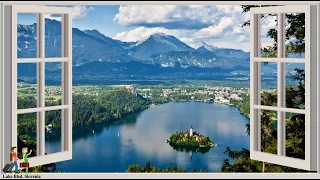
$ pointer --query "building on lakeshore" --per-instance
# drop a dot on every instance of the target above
(131, 88)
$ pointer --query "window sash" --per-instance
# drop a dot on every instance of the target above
(310, 110)
(66, 86)
(41, 60)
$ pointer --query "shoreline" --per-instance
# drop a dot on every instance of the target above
(152, 105)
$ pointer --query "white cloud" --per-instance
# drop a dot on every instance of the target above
(195, 6)
(171, 17)
(79, 12)
(144, 32)
(228, 9)
(238, 30)
(220, 26)
(267, 24)
(216, 30)
(177, 17)
(50, 16)
(138, 14)
(243, 39)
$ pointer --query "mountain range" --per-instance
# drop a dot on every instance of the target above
(91, 45)
(93, 50)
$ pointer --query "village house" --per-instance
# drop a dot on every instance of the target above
(186, 133)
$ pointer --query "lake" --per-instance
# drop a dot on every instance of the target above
(142, 136)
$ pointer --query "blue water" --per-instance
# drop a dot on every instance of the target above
(142, 136)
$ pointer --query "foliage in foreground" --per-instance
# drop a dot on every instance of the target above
(151, 169)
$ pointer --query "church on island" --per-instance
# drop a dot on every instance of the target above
(190, 138)
(192, 134)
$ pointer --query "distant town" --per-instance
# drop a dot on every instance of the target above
(217, 94)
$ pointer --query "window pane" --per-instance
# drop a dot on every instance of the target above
(27, 35)
(53, 35)
(295, 85)
(295, 35)
(268, 35)
(53, 131)
(269, 131)
(269, 84)
(27, 86)
(27, 133)
(295, 135)
(53, 84)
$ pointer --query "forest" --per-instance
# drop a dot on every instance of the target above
(86, 109)
(136, 168)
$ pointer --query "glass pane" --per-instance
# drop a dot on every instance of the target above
(27, 35)
(53, 131)
(295, 35)
(53, 35)
(269, 131)
(27, 86)
(268, 35)
(27, 134)
(269, 84)
(53, 84)
(295, 135)
(295, 85)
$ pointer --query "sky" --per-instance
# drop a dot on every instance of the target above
(220, 26)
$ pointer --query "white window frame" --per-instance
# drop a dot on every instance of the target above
(5, 92)
(310, 111)
(66, 76)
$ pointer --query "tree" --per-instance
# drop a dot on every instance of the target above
(295, 29)
(168, 169)
(174, 168)
(148, 167)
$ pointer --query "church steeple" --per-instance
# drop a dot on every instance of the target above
(191, 131)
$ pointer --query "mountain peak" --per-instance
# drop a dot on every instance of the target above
(47, 20)
(159, 34)
(209, 47)
(93, 30)
(152, 36)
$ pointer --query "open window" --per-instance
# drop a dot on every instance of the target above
(280, 112)
(39, 57)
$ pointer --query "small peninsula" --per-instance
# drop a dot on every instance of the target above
(190, 139)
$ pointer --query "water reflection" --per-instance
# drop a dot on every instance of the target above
(191, 150)
(89, 131)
